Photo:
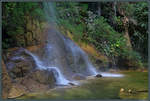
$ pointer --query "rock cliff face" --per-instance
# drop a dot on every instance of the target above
(34, 33)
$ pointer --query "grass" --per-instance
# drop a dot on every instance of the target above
(101, 88)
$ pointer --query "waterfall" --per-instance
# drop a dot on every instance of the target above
(61, 55)
(60, 79)
(59, 44)
(76, 51)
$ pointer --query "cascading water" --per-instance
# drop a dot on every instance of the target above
(60, 79)
(76, 51)
(59, 45)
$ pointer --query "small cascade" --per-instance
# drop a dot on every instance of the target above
(60, 79)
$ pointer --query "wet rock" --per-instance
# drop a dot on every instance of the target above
(98, 75)
(20, 63)
(44, 77)
(72, 84)
(79, 77)
(20, 69)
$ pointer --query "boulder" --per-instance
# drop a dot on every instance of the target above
(19, 63)
(98, 75)
(20, 69)
(122, 90)
(44, 77)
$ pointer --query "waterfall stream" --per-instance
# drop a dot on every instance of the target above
(60, 79)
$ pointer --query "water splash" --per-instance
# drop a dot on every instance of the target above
(111, 75)
(60, 79)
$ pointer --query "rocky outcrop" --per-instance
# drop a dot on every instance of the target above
(43, 77)
(16, 91)
(21, 75)
(19, 63)
(33, 34)
(6, 81)
(32, 85)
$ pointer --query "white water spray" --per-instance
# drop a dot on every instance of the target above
(111, 75)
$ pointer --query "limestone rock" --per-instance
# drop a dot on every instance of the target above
(33, 86)
(122, 90)
(16, 91)
(19, 63)
(44, 77)
(6, 82)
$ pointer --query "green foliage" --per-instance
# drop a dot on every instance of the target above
(140, 31)
(105, 38)
(14, 20)
(91, 28)
(71, 16)
(127, 8)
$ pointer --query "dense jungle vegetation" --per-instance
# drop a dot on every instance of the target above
(119, 30)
